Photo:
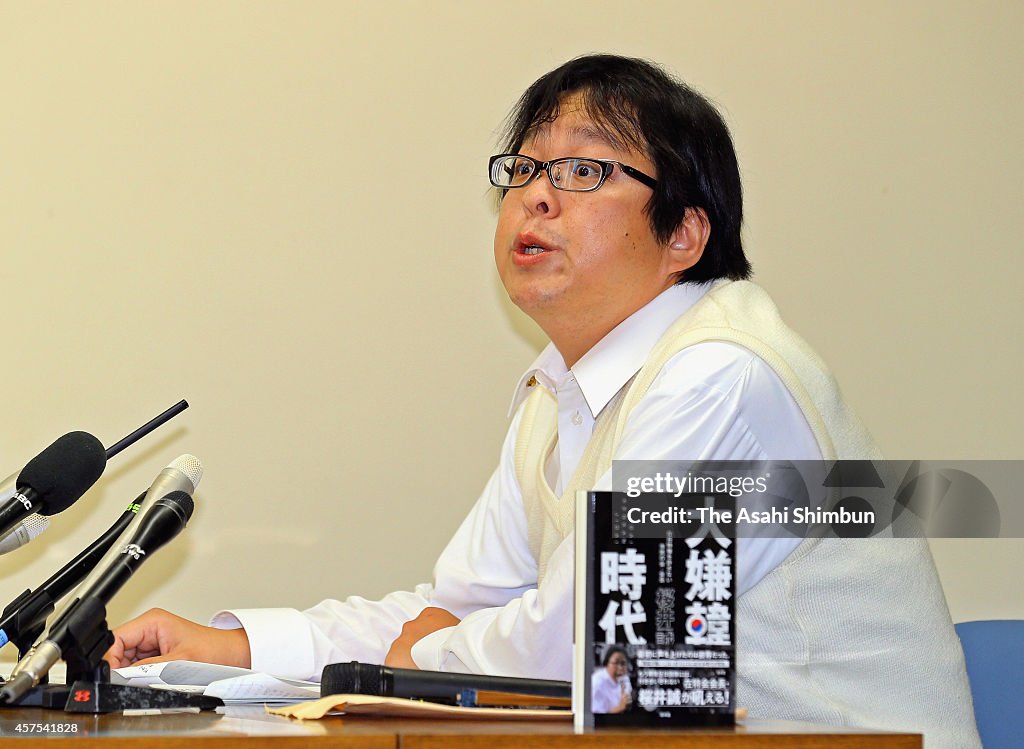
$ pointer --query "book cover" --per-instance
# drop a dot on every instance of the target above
(655, 613)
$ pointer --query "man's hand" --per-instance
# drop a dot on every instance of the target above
(430, 620)
(624, 699)
(159, 635)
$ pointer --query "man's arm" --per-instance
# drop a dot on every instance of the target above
(284, 642)
(529, 636)
(159, 635)
(430, 620)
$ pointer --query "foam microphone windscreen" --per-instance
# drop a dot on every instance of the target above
(351, 678)
(64, 471)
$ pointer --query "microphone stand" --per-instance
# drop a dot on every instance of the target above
(28, 622)
(88, 688)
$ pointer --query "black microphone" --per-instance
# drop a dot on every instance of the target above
(35, 524)
(22, 619)
(162, 522)
(181, 474)
(382, 681)
(55, 479)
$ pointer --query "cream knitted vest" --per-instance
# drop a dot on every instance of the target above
(848, 632)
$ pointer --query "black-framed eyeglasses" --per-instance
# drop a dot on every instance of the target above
(511, 170)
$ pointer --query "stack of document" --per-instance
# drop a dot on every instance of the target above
(235, 686)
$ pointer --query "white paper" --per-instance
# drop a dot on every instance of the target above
(174, 672)
(257, 687)
(229, 683)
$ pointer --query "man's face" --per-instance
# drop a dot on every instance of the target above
(617, 666)
(599, 260)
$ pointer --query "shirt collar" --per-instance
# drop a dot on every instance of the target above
(605, 368)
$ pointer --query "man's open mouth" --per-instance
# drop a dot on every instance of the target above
(529, 243)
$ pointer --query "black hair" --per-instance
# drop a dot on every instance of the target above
(612, 650)
(638, 105)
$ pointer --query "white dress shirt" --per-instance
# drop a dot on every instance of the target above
(605, 691)
(711, 401)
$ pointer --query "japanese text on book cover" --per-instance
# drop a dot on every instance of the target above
(656, 630)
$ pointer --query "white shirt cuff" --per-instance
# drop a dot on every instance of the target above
(280, 642)
(431, 653)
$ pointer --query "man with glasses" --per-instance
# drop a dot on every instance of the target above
(610, 689)
(619, 234)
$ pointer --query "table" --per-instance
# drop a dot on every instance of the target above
(249, 727)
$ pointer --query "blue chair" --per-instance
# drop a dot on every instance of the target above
(994, 651)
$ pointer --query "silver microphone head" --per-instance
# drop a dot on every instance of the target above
(182, 475)
(25, 531)
(190, 466)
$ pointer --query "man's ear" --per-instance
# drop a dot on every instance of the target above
(687, 243)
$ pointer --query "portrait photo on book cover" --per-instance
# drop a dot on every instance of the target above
(611, 688)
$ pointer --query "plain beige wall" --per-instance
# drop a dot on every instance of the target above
(280, 211)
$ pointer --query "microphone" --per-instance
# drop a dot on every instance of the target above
(33, 525)
(25, 531)
(181, 475)
(27, 612)
(381, 681)
(164, 520)
(55, 479)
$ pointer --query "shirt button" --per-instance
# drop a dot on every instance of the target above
(576, 418)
